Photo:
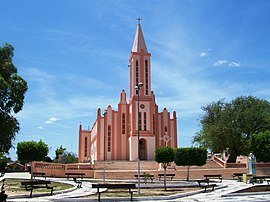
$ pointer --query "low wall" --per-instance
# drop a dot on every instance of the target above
(179, 174)
(127, 170)
(262, 168)
(59, 170)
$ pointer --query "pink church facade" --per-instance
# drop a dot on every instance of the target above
(114, 135)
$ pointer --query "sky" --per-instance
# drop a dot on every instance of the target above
(74, 57)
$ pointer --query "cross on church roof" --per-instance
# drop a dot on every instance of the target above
(139, 19)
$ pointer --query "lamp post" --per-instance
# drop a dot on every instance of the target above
(137, 88)
(104, 114)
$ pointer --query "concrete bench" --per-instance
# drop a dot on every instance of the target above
(75, 175)
(36, 184)
(115, 186)
(37, 174)
(260, 178)
(169, 175)
(214, 176)
(205, 183)
(145, 177)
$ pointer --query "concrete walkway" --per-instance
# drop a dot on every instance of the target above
(74, 193)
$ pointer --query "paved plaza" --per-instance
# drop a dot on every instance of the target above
(74, 194)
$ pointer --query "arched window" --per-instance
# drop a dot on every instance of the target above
(146, 77)
(85, 147)
(140, 121)
(123, 123)
(109, 137)
(137, 74)
(144, 121)
(154, 124)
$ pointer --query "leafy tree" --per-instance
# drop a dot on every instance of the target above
(191, 156)
(12, 90)
(29, 151)
(260, 146)
(67, 157)
(59, 151)
(3, 162)
(48, 159)
(164, 155)
(230, 125)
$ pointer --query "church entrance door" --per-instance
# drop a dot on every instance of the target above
(142, 153)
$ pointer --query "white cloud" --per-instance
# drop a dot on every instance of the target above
(40, 127)
(51, 120)
(205, 53)
(226, 62)
(234, 64)
(220, 62)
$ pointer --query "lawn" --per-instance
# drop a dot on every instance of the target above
(256, 188)
(13, 187)
(144, 192)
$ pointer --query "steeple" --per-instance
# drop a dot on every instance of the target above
(139, 42)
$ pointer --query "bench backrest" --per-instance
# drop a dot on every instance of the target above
(261, 177)
(35, 182)
(217, 175)
(238, 174)
(75, 173)
(203, 182)
(114, 186)
(167, 174)
(144, 175)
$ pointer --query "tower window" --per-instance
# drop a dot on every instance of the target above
(154, 124)
(146, 77)
(137, 74)
(109, 137)
(144, 121)
(140, 121)
(123, 123)
(85, 147)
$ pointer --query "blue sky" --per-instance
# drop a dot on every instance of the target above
(74, 56)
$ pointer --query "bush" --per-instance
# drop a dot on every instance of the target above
(260, 146)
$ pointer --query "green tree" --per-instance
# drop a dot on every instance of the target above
(164, 155)
(191, 156)
(59, 151)
(67, 157)
(3, 162)
(29, 151)
(230, 125)
(12, 90)
(260, 146)
(48, 159)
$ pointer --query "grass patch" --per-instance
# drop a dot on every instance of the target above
(13, 187)
(256, 188)
(114, 193)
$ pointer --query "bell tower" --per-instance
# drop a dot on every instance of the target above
(140, 66)
(142, 105)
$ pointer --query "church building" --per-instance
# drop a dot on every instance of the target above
(114, 135)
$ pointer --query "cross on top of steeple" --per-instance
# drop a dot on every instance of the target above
(139, 42)
(139, 19)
